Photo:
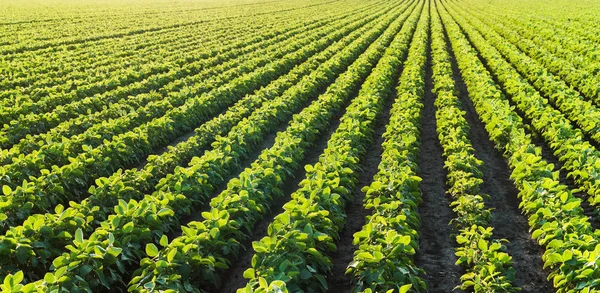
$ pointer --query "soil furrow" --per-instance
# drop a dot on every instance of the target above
(436, 251)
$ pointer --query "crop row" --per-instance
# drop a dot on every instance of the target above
(577, 70)
(132, 184)
(488, 267)
(58, 153)
(555, 216)
(386, 243)
(70, 181)
(90, 76)
(213, 167)
(128, 26)
(100, 60)
(576, 41)
(223, 62)
(98, 67)
(245, 201)
(578, 156)
(307, 228)
(195, 70)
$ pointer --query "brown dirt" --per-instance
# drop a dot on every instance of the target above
(436, 251)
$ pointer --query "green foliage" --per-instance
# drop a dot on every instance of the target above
(556, 218)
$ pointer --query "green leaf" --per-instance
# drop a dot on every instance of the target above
(207, 215)
(263, 283)
(6, 190)
(171, 255)
(567, 255)
(249, 273)
(308, 168)
(305, 274)
(46, 231)
(214, 232)
(22, 254)
(164, 241)
(114, 251)
(570, 206)
(553, 258)
(84, 270)
(405, 288)
(127, 228)
(49, 278)
(322, 281)
(537, 233)
(18, 277)
(151, 250)
(165, 212)
(482, 244)
(79, 236)
(365, 255)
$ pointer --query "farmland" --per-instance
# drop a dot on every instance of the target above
(300, 146)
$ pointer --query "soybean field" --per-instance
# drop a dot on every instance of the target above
(300, 146)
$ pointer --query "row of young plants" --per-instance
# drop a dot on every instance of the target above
(173, 80)
(88, 54)
(223, 62)
(574, 68)
(139, 222)
(98, 64)
(386, 243)
(576, 40)
(61, 37)
(137, 26)
(582, 26)
(206, 248)
(42, 237)
(121, 46)
(86, 66)
(127, 107)
(311, 221)
(68, 90)
(70, 182)
(111, 73)
(585, 31)
(568, 143)
(555, 216)
(488, 268)
(579, 110)
(59, 153)
(84, 122)
(57, 39)
(29, 17)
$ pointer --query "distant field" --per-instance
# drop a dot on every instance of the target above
(300, 146)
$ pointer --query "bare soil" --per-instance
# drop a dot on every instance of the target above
(436, 252)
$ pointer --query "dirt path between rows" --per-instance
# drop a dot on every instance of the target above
(436, 245)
